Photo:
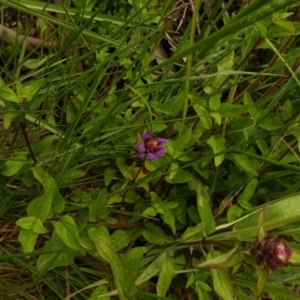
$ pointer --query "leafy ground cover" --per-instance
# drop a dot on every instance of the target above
(150, 150)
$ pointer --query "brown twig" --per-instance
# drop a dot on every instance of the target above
(20, 38)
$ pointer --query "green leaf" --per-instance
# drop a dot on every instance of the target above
(27, 238)
(58, 255)
(169, 219)
(127, 171)
(97, 208)
(109, 174)
(133, 258)
(8, 94)
(248, 191)
(66, 229)
(44, 147)
(152, 269)
(38, 227)
(34, 87)
(13, 166)
(150, 211)
(247, 163)
(119, 240)
(192, 234)
(217, 117)
(70, 177)
(277, 213)
(217, 143)
(226, 63)
(217, 261)
(183, 139)
(250, 104)
(40, 207)
(154, 234)
(165, 276)
(204, 208)
(215, 102)
(231, 110)
(123, 280)
(26, 223)
(233, 213)
(221, 281)
(181, 176)
(203, 115)
(99, 292)
(263, 275)
(174, 167)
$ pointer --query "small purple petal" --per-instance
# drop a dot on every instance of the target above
(152, 156)
(142, 155)
(140, 147)
(160, 152)
(146, 136)
(162, 141)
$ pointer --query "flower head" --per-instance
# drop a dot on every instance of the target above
(271, 252)
(151, 148)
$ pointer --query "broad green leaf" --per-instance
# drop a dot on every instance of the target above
(99, 292)
(165, 276)
(38, 227)
(70, 176)
(59, 254)
(217, 261)
(217, 117)
(26, 223)
(97, 208)
(204, 208)
(58, 202)
(183, 139)
(169, 219)
(127, 171)
(152, 269)
(247, 163)
(33, 87)
(66, 229)
(150, 211)
(162, 108)
(263, 275)
(119, 240)
(123, 280)
(231, 110)
(286, 25)
(174, 167)
(13, 166)
(226, 63)
(44, 147)
(133, 258)
(277, 213)
(221, 281)
(181, 176)
(215, 102)
(192, 234)
(109, 174)
(203, 115)
(40, 207)
(27, 239)
(250, 104)
(217, 143)
(248, 191)
(154, 234)
(262, 29)
(44, 178)
(8, 94)
(234, 212)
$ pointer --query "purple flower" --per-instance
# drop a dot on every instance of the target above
(271, 252)
(152, 148)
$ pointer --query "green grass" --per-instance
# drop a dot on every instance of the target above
(83, 216)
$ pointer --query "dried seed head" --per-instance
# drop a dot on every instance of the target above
(271, 252)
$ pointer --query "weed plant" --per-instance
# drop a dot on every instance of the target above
(152, 154)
